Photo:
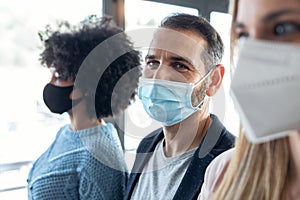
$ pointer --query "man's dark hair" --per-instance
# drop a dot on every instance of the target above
(65, 49)
(197, 24)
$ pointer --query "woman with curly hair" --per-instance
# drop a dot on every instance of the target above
(95, 73)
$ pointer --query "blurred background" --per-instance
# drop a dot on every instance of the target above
(27, 127)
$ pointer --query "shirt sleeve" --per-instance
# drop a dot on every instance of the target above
(214, 174)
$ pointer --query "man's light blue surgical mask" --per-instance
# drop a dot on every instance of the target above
(265, 89)
(168, 102)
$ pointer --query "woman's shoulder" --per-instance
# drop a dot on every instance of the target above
(214, 173)
(221, 161)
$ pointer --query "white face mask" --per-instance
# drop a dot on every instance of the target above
(266, 89)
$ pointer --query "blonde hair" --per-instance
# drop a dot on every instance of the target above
(256, 171)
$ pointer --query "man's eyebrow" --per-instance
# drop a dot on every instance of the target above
(173, 58)
(182, 59)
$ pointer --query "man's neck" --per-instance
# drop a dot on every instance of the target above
(187, 134)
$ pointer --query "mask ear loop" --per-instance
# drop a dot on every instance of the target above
(200, 81)
(204, 77)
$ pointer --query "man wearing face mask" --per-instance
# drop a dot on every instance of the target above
(85, 161)
(182, 71)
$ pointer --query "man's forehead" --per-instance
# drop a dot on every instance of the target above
(185, 44)
(177, 41)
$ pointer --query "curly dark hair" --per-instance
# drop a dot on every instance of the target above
(68, 50)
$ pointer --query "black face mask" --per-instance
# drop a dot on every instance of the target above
(58, 99)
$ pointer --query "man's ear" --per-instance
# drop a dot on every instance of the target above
(216, 78)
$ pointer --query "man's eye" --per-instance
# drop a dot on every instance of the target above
(286, 28)
(152, 64)
(180, 66)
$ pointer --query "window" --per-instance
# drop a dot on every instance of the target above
(26, 125)
(221, 103)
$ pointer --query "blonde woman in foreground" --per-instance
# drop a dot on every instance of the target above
(265, 164)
